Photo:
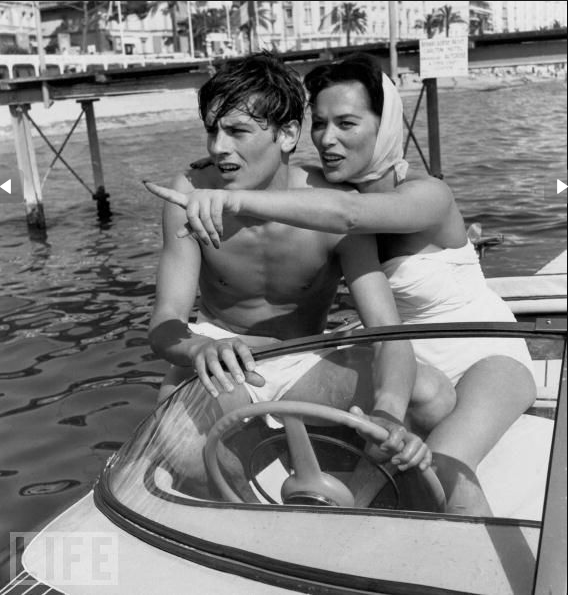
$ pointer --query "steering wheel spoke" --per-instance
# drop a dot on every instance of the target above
(308, 485)
(302, 455)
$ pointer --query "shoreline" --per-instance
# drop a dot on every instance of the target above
(180, 105)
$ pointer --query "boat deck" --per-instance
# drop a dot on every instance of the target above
(557, 265)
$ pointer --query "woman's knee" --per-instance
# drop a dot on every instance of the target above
(433, 399)
(433, 387)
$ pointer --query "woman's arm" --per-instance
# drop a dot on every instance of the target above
(394, 364)
(413, 206)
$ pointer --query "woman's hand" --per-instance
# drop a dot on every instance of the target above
(409, 449)
(227, 362)
(204, 210)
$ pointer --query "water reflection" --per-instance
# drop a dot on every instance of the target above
(110, 446)
(46, 488)
(81, 420)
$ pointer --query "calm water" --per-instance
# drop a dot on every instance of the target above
(76, 372)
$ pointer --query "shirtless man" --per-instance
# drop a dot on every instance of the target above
(269, 281)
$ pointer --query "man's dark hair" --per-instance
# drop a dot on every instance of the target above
(259, 84)
(355, 67)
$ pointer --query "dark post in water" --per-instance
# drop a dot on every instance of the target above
(433, 127)
(100, 195)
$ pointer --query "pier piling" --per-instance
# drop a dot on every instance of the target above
(100, 195)
(435, 153)
(27, 164)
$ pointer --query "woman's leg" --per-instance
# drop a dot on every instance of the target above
(491, 395)
(343, 379)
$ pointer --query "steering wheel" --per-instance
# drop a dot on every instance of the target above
(308, 482)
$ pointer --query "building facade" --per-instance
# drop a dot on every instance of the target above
(527, 16)
(281, 25)
(64, 31)
(17, 27)
(310, 24)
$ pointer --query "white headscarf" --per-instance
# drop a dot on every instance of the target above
(388, 148)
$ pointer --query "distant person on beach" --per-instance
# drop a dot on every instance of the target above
(432, 268)
(269, 281)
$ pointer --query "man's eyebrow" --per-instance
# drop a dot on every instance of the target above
(238, 121)
(236, 125)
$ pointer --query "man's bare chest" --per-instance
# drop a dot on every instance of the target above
(275, 261)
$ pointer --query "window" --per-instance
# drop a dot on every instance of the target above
(307, 15)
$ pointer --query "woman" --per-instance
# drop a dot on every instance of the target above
(433, 270)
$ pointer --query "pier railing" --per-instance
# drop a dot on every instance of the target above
(15, 66)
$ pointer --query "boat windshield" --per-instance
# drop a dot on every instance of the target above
(248, 492)
(166, 466)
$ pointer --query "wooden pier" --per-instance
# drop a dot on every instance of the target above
(540, 47)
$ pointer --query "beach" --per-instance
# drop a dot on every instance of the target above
(180, 105)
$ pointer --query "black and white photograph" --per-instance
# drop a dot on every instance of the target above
(283, 297)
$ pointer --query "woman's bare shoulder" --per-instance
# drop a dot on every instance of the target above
(424, 183)
(196, 178)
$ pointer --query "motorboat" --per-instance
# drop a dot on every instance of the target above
(279, 512)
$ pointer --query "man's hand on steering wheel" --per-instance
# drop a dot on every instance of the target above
(403, 448)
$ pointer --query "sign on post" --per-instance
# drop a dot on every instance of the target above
(443, 56)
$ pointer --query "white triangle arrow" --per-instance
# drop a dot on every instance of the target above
(7, 186)
(560, 186)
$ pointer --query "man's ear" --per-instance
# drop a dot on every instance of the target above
(289, 135)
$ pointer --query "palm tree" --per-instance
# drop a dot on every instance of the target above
(256, 15)
(347, 17)
(172, 8)
(448, 17)
(204, 21)
(431, 24)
